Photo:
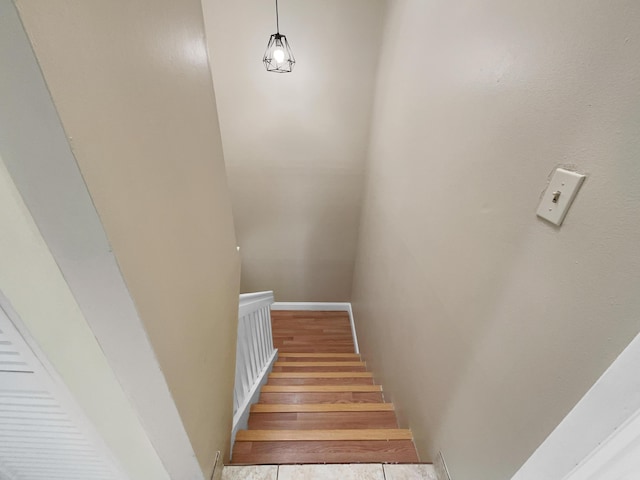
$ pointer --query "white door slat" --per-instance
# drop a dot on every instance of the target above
(38, 438)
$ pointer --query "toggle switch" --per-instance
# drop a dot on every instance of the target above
(561, 191)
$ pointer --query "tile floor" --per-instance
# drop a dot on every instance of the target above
(330, 472)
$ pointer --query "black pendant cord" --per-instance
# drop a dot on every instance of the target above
(277, 19)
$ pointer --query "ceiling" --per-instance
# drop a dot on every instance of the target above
(295, 144)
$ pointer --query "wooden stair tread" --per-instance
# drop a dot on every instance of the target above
(321, 407)
(320, 404)
(320, 374)
(319, 364)
(320, 388)
(317, 435)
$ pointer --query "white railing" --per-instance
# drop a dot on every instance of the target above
(254, 354)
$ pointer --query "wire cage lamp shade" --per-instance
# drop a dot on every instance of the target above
(278, 56)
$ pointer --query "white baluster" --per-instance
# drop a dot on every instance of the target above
(268, 308)
(256, 342)
(265, 324)
(254, 350)
(261, 349)
(244, 348)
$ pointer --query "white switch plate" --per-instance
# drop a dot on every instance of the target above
(564, 186)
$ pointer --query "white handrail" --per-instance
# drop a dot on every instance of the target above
(254, 354)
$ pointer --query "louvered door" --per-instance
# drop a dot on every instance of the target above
(42, 435)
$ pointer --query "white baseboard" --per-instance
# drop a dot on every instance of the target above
(319, 306)
(440, 468)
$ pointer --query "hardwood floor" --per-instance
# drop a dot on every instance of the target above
(311, 332)
(320, 404)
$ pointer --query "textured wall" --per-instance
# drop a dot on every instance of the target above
(132, 84)
(295, 144)
(486, 324)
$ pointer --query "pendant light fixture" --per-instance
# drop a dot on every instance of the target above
(278, 57)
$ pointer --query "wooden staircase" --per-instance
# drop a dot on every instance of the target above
(320, 404)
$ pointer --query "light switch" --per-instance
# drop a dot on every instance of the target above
(557, 199)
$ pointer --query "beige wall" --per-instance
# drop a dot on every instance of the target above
(36, 289)
(484, 323)
(133, 88)
(295, 144)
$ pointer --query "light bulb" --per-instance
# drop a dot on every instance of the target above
(278, 55)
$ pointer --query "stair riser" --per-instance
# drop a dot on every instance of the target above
(327, 333)
(322, 420)
(320, 356)
(318, 369)
(330, 397)
(319, 374)
(313, 359)
(321, 407)
(393, 451)
(294, 344)
(308, 313)
(320, 381)
(314, 349)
